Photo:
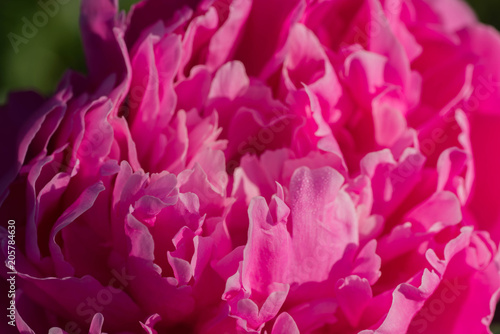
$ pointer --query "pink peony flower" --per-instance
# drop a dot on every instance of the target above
(253, 166)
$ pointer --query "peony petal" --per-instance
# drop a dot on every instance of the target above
(96, 325)
(285, 325)
(323, 222)
(442, 207)
(353, 295)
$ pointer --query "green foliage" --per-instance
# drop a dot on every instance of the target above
(38, 62)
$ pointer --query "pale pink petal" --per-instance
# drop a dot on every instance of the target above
(285, 325)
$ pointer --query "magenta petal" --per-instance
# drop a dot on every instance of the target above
(285, 325)
(24, 130)
(98, 21)
(407, 300)
(182, 269)
(364, 75)
(268, 241)
(314, 315)
(73, 293)
(141, 241)
(232, 75)
(443, 208)
(273, 20)
(148, 326)
(320, 214)
(367, 263)
(222, 44)
(82, 204)
(353, 294)
(96, 325)
(260, 166)
(22, 326)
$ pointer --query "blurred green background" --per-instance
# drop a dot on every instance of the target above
(56, 46)
(41, 61)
